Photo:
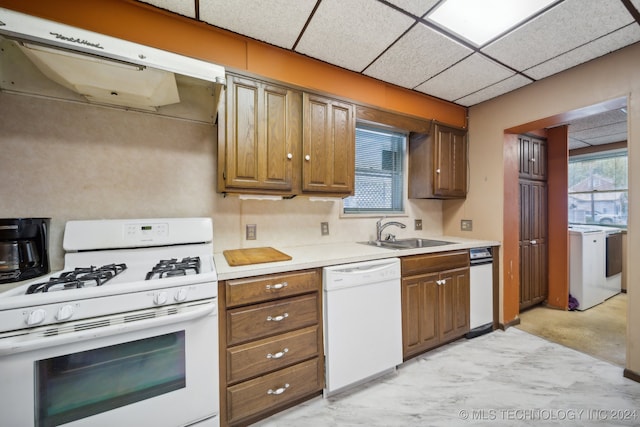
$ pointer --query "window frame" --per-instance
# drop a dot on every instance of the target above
(603, 155)
(404, 163)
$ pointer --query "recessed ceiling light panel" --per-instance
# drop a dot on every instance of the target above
(479, 21)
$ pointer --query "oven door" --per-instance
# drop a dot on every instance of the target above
(156, 367)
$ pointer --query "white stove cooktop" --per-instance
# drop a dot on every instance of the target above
(128, 290)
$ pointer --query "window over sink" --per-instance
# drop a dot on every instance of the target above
(379, 171)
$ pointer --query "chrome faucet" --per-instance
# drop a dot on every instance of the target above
(380, 227)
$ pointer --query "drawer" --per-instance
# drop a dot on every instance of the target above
(270, 391)
(429, 263)
(265, 288)
(269, 354)
(271, 318)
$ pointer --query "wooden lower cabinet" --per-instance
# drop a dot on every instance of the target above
(435, 302)
(271, 344)
(260, 394)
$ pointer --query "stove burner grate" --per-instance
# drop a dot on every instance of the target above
(172, 267)
(79, 278)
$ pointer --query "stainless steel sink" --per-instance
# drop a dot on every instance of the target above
(411, 243)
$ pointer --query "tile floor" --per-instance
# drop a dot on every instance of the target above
(505, 378)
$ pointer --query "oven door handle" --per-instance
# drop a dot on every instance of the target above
(24, 343)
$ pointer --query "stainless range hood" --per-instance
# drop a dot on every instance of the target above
(104, 69)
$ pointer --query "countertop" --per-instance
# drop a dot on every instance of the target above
(322, 255)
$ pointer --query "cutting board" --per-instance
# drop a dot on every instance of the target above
(237, 257)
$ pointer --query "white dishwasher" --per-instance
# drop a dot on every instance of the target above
(362, 322)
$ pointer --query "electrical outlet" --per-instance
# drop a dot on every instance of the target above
(324, 228)
(418, 224)
(466, 225)
(251, 231)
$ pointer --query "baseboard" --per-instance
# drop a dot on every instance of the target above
(631, 375)
(505, 326)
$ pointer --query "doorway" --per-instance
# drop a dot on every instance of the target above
(601, 330)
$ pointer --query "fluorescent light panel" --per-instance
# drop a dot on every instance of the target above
(479, 21)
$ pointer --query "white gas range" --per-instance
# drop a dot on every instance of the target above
(126, 333)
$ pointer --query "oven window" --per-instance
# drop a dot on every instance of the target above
(79, 385)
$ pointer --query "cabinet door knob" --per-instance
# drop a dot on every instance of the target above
(307, 157)
(289, 156)
(534, 242)
(532, 160)
(438, 170)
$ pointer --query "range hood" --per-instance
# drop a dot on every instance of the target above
(104, 69)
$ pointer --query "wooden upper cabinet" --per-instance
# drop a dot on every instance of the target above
(328, 148)
(438, 163)
(533, 157)
(273, 142)
(260, 150)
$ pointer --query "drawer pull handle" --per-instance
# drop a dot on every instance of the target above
(277, 286)
(277, 318)
(278, 355)
(279, 390)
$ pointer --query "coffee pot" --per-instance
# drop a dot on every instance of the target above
(24, 248)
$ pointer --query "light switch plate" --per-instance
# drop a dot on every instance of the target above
(466, 225)
(324, 228)
(251, 231)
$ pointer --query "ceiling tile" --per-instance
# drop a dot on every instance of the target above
(467, 76)
(609, 43)
(277, 22)
(416, 7)
(181, 7)
(595, 121)
(352, 33)
(574, 143)
(417, 56)
(507, 85)
(564, 27)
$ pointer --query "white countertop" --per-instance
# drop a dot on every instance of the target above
(322, 255)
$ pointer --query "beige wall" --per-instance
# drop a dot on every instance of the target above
(616, 75)
(68, 160)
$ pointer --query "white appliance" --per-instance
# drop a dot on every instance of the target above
(126, 334)
(481, 292)
(362, 322)
(587, 281)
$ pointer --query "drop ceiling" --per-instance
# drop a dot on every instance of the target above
(394, 41)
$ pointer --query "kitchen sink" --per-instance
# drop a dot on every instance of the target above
(411, 243)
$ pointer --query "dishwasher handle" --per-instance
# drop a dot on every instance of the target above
(363, 269)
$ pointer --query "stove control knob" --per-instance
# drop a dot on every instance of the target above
(181, 295)
(36, 317)
(64, 313)
(160, 298)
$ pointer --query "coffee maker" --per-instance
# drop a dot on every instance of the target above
(24, 248)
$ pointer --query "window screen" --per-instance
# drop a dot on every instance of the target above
(379, 172)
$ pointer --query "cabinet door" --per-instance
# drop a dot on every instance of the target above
(533, 157)
(453, 291)
(450, 162)
(419, 314)
(328, 145)
(262, 135)
(533, 239)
